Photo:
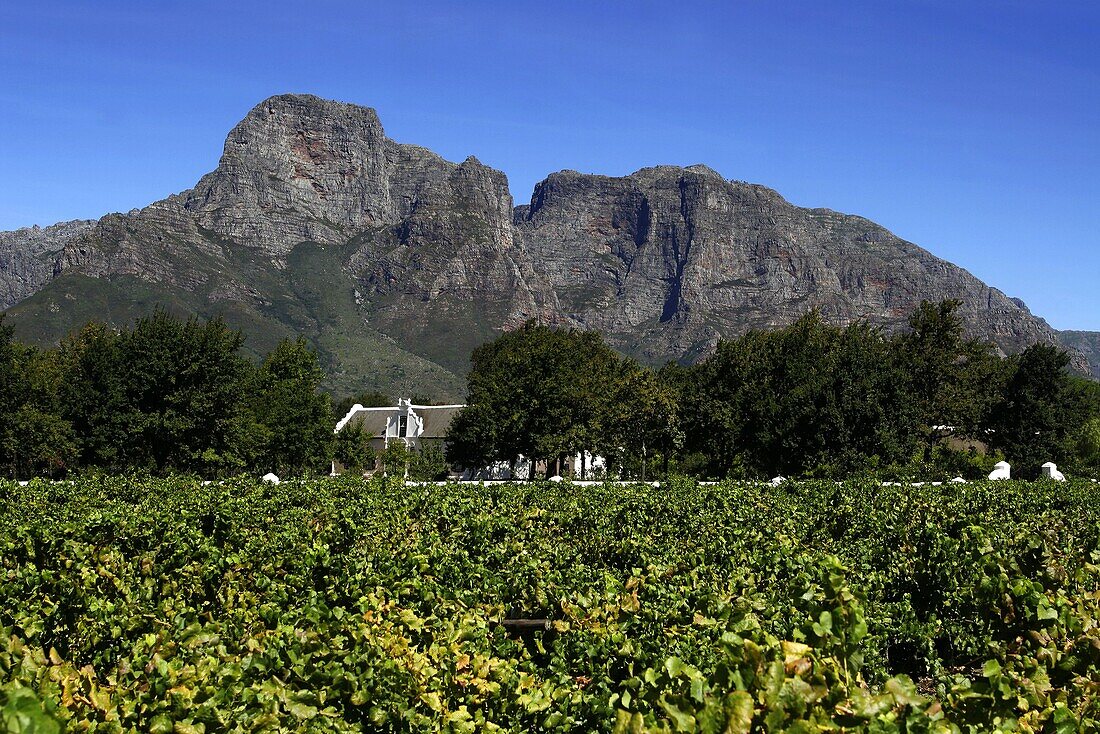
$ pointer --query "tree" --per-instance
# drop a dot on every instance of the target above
(1085, 445)
(95, 399)
(34, 439)
(1034, 416)
(642, 421)
(953, 381)
(166, 395)
(352, 449)
(472, 437)
(183, 382)
(396, 458)
(536, 392)
(806, 397)
(428, 463)
(295, 415)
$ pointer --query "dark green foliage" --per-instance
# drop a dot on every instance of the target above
(1085, 446)
(538, 392)
(472, 436)
(95, 399)
(1034, 416)
(952, 382)
(641, 423)
(165, 396)
(294, 416)
(809, 399)
(817, 400)
(811, 396)
(348, 605)
(182, 382)
(396, 459)
(352, 449)
(428, 463)
(34, 438)
(170, 395)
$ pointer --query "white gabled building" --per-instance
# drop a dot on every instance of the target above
(414, 425)
(420, 425)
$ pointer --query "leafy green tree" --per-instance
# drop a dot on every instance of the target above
(1085, 445)
(183, 382)
(352, 449)
(472, 438)
(428, 463)
(166, 395)
(875, 421)
(953, 381)
(34, 439)
(396, 459)
(1034, 416)
(295, 415)
(95, 400)
(537, 392)
(642, 421)
(805, 397)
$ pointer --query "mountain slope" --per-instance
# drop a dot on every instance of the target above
(396, 263)
(1085, 342)
(27, 257)
(668, 259)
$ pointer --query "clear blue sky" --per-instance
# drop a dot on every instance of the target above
(970, 128)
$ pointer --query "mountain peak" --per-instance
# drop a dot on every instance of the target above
(315, 223)
(307, 104)
(704, 170)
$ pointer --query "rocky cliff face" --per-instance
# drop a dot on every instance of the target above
(667, 260)
(396, 263)
(1086, 343)
(28, 257)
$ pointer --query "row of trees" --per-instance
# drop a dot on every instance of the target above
(810, 398)
(165, 395)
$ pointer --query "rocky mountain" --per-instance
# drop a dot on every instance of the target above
(395, 263)
(1086, 343)
(667, 260)
(28, 257)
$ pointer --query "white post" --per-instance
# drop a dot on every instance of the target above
(1001, 470)
(1050, 471)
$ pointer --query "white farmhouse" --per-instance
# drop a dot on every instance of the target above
(418, 426)
(414, 425)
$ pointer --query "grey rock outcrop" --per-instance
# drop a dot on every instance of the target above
(28, 257)
(1086, 343)
(667, 260)
(423, 259)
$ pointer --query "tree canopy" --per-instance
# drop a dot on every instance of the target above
(176, 395)
(545, 394)
(807, 399)
(167, 395)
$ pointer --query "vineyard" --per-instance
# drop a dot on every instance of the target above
(345, 605)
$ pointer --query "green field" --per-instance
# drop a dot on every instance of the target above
(151, 605)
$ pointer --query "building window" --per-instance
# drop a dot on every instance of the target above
(403, 426)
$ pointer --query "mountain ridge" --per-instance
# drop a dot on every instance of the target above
(395, 262)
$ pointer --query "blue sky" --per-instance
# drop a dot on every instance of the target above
(970, 128)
